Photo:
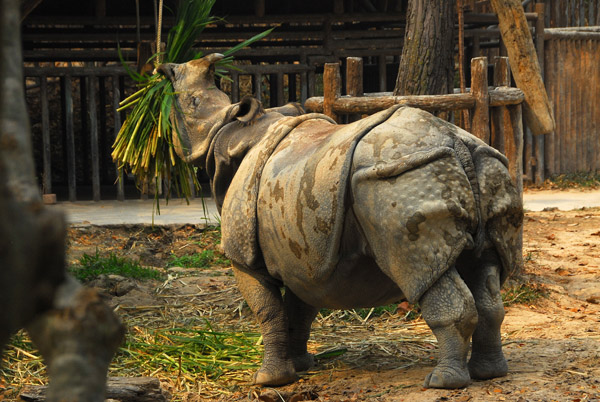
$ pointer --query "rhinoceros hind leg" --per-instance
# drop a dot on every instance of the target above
(264, 299)
(483, 279)
(300, 316)
(449, 310)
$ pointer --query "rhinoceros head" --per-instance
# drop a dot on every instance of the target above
(201, 109)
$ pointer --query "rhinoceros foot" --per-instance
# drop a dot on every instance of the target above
(484, 367)
(304, 362)
(275, 375)
(447, 377)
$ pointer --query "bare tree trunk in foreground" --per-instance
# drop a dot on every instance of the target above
(76, 333)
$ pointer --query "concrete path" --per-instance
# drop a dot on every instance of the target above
(200, 212)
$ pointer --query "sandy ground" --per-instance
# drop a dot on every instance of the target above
(552, 344)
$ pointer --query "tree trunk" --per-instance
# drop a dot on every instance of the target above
(75, 331)
(427, 63)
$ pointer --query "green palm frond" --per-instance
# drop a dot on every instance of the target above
(144, 145)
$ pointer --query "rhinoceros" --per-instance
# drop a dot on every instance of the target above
(400, 205)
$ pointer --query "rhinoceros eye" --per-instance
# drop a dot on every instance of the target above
(196, 101)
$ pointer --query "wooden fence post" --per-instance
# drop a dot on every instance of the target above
(499, 115)
(332, 83)
(507, 132)
(480, 121)
(354, 81)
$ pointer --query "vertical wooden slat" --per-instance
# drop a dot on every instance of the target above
(259, 8)
(46, 149)
(540, 139)
(515, 131)
(332, 82)
(382, 73)
(272, 90)
(103, 139)
(589, 134)
(480, 122)
(581, 13)
(280, 96)
(571, 134)
(235, 86)
(292, 87)
(70, 137)
(550, 80)
(117, 126)
(594, 90)
(579, 110)
(303, 87)
(94, 145)
(257, 86)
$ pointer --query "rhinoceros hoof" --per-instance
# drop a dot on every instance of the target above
(275, 376)
(447, 377)
(304, 362)
(486, 367)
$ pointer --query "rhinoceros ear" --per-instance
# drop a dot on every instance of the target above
(248, 110)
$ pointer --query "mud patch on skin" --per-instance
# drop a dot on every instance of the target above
(295, 247)
(412, 225)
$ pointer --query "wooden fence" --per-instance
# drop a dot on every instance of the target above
(496, 115)
(572, 75)
(74, 121)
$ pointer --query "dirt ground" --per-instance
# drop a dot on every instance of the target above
(552, 344)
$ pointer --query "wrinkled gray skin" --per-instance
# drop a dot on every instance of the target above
(430, 215)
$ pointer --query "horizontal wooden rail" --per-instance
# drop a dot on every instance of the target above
(372, 103)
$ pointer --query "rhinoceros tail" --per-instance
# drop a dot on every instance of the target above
(466, 159)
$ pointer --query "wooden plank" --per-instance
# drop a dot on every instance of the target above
(235, 86)
(117, 126)
(594, 90)
(70, 138)
(259, 8)
(540, 140)
(480, 122)
(500, 118)
(332, 82)
(524, 64)
(280, 90)
(46, 148)
(102, 119)
(94, 141)
(516, 131)
(550, 79)
(382, 73)
(257, 86)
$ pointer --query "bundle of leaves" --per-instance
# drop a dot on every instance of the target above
(144, 145)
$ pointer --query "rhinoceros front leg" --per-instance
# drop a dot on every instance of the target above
(483, 279)
(449, 310)
(264, 299)
(300, 316)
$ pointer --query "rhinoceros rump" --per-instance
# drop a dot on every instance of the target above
(399, 205)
